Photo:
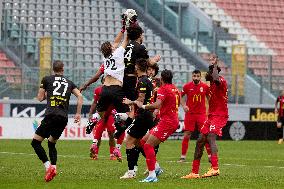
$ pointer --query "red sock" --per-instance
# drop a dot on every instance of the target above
(214, 161)
(97, 150)
(111, 148)
(184, 145)
(207, 146)
(150, 156)
(195, 166)
(120, 139)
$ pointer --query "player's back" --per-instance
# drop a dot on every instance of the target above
(144, 85)
(218, 102)
(114, 65)
(133, 51)
(170, 96)
(58, 89)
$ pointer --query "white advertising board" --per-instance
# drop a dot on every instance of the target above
(24, 128)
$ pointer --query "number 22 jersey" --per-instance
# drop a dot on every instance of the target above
(58, 90)
(114, 64)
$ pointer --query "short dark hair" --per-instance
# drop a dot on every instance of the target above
(142, 64)
(134, 32)
(57, 66)
(211, 68)
(196, 72)
(167, 76)
(106, 49)
(155, 66)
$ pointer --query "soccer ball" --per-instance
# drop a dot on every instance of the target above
(130, 17)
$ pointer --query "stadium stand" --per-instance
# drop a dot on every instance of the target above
(78, 28)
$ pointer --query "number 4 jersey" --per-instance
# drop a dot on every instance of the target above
(58, 90)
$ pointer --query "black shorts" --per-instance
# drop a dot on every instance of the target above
(143, 122)
(280, 120)
(112, 97)
(52, 125)
(129, 87)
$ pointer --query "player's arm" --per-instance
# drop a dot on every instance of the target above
(79, 96)
(276, 105)
(155, 105)
(154, 59)
(92, 80)
(215, 74)
(92, 108)
(41, 96)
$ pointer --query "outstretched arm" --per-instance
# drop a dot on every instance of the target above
(92, 80)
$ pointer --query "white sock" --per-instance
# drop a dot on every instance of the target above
(118, 146)
(183, 156)
(157, 166)
(97, 116)
(95, 141)
(152, 174)
(123, 116)
(46, 165)
(135, 168)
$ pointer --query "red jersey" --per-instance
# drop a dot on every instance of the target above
(196, 95)
(169, 95)
(97, 93)
(102, 68)
(218, 98)
(280, 99)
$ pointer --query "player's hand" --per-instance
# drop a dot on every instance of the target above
(155, 113)
(82, 88)
(77, 118)
(126, 101)
(157, 58)
(139, 104)
(276, 110)
(185, 108)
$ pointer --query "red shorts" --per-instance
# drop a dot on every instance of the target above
(214, 124)
(193, 121)
(101, 126)
(164, 129)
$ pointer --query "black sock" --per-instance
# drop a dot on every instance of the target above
(52, 153)
(39, 150)
(132, 157)
(280, 133)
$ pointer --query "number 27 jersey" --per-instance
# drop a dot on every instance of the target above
(58, 90)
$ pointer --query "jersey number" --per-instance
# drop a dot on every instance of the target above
(111, 63)
(57, 85)
(128, 55)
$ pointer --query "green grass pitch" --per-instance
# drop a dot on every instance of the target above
(243, 164)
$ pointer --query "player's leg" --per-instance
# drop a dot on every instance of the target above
(43, 131)
(58, 125)
(111, 143)
(131, 153)
(199, 147)
(148, 147)
(201, 118)
(215, 129)
(189, 127)
(97, 133)
(280, 130)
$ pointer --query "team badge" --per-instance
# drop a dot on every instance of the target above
(201, 89)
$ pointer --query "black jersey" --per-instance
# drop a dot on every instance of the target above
(144, 85)
(133, 51)
(58, 90)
